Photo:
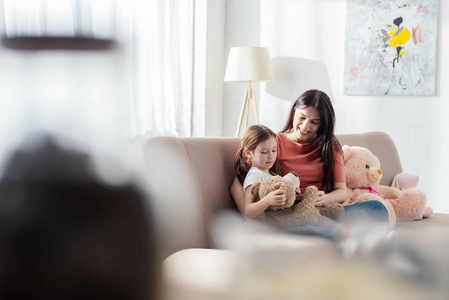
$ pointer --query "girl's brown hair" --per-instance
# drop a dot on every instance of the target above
(252, 137)
(328, 143)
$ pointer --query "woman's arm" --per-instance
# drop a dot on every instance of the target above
(238, 195)
(337, 195)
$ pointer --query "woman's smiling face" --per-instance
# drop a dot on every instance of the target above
(306, 123)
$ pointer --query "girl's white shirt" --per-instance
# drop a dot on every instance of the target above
(254, 175)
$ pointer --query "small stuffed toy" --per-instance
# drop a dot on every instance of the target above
(298, 210)
(404, 181)
(363, 175)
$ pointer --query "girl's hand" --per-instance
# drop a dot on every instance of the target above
(298, 190)
(321, 198)
(276, 197)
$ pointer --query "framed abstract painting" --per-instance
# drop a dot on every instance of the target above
(390, 47)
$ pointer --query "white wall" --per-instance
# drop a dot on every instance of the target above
(311, 33)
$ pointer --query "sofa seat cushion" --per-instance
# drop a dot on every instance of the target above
(198, 273)
(428, 237)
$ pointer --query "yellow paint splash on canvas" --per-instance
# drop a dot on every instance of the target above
(399, 39)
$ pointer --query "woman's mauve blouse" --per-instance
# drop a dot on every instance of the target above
(306, 161)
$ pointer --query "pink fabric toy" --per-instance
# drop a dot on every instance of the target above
(363, 175)
(404, 181)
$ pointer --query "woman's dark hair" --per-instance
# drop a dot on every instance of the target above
(328, 143)
(252, 137)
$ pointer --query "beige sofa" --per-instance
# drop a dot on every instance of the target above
(189, 181)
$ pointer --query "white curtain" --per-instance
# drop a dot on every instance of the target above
(142, 87)
(161, 59)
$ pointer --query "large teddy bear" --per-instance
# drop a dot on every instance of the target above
(363, 175)
(298, 210)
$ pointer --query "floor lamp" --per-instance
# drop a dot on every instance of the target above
(248, 64)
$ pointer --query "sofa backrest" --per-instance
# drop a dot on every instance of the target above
(189, 181)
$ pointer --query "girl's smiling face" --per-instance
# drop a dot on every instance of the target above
(306, 123)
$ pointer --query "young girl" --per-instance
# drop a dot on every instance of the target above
(259, 145)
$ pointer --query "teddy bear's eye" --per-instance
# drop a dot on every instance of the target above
(367, 167)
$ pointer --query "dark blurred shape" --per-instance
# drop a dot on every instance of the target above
(57, 43)
(45, 21)
(65, 234)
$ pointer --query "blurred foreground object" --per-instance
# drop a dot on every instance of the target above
(92, 19)
(66, 234)
(378, 267)
(62, 24)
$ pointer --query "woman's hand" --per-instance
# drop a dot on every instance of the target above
(321, 198)
(276, 197)
(338, 195)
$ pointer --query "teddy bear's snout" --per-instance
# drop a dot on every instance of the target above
(374, 174)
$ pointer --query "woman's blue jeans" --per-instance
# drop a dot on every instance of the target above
(372, 210)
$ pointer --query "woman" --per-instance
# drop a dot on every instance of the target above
(308, 146)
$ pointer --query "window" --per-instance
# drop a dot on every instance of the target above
(162, 66)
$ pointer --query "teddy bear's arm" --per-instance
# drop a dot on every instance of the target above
(352, 195)
(368, 197)
(255, 190)
(388, 191)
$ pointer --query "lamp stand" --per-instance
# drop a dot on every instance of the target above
(249, 97)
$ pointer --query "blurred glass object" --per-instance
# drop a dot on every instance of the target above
(66, 233)
(58, 18)
(372, 263)
(64, 70)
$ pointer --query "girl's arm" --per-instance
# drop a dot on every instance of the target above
(337, 195)
(253, 209)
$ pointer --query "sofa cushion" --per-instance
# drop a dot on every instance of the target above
(198, 273)
(212, 273)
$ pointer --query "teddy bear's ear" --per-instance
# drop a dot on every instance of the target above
(255, 191)
(346, 152)
(279, 185)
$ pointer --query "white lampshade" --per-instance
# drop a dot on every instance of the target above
(248, 64)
